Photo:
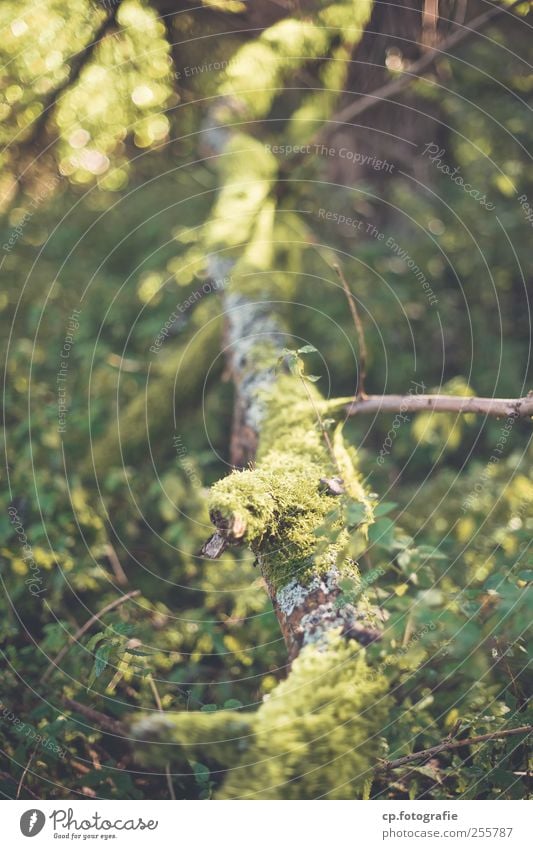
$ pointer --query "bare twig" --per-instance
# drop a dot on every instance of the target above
(116, 565)
(159, 704)
(26, 768)
(54, 664)
(320, 421)
(499, 407)
(100, 720)
(449, 744)
(7, 777)
(358, 324)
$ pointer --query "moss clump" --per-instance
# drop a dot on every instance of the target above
(316, 735)
(280, 502)
(220, 737)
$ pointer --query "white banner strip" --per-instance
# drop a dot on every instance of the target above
(264, 825)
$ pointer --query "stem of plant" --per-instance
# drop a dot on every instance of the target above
(358, 324)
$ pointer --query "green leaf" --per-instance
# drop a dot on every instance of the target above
(356, 513)
(307, 349)
(201, 772)
(95, 640)
(404, 558)
(295, 365)
(384, 508)
(382, 533)
(209, 708)
(92, 679)
(312, 378)
(101, 659)
(123, 628)
(137, 652)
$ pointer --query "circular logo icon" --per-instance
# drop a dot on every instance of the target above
(32, 822)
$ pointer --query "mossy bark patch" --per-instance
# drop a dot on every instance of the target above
(278, 507)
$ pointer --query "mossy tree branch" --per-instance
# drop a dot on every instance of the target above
(277, 508)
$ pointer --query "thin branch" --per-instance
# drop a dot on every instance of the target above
(513, 408)
(54, 664)
(450, 744)
(116, 565)
(26, 768)
(320, 421)
(7, 777)
(100, 720)
(159, 704)
(358, 324)
(499, 407)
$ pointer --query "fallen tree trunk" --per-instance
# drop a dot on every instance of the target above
(318, 732)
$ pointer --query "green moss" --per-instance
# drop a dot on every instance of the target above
(221, 736)
(281, 502)
(316, 735)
